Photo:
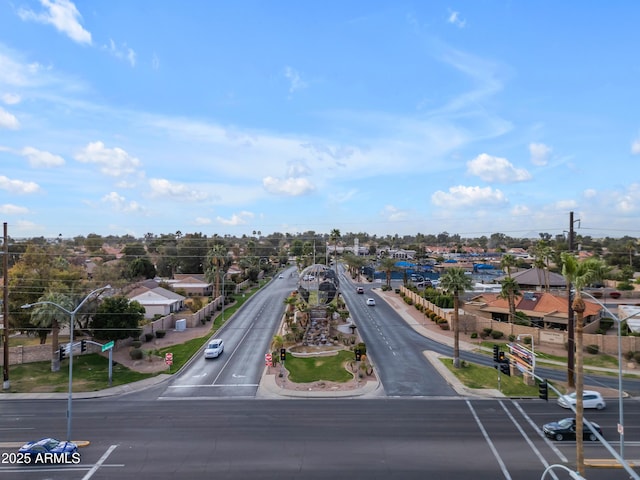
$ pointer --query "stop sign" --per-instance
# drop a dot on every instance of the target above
(168, 358)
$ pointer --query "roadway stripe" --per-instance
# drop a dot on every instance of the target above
(489, 442)
(215, 386)
(557, 451)
(527, 439)
(99, 463)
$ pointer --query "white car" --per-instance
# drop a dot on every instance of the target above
(214, 348)
(590, 399)
(371, 302)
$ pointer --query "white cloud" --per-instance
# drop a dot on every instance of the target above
(590, 193)
(63, 15)
(454, 18)
(120, 203)
(635, 147)
(461, 196)
(291, 186)
(539, 153)
(520, 210)
(496, 169)
(114, 162)
(392, 214)
(9, 209)
(161, 187)
(295, 81)
(241, 218)
(565, 205)
(38, 158)
(629, 201)
(18, 186)
(123, 52)
(8, 120)
(11, 98)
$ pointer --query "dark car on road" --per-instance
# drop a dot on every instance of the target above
(565, 429)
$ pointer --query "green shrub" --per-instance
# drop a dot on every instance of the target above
(136, 344)
(136, 354)
(160, 333)
(512, 338)
(474, 334)
(606, 323)
(444, 326)
(592, 349)
(487, 331)
(408, 301)
(629, 355)
(148, 336)
(495, 334)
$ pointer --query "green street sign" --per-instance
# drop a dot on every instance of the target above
(107, 346)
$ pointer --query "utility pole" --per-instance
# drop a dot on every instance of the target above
(571, 345)
(5, 312)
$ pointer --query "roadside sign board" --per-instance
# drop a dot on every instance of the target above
(268, 359)
(168, 358)
(108, 346)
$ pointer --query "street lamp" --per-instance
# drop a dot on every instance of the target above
(533, 351)
(72, 316)
(620, 403)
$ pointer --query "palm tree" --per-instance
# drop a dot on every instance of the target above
(455, 281)
(218, 258)
(580, 274)
(47, 316)
(335, 235)
(388, 265)
(508, 262)
(510, 291)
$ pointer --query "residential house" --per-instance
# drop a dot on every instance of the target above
(158, 301)
(545, 310)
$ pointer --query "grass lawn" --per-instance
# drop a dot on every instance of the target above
(312, 369)
(90, 373)
(476, 376)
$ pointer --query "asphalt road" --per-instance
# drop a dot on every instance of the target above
(456, 439)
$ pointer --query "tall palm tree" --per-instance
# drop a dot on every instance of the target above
(47, 316)
(218, 258)
(508, 262)
(388, 265)
(335, 235)
(580, 274)
(455, 281)
(510, 291)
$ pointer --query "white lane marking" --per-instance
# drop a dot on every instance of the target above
(249, 329)
(557, 451)
(216, 386)
(527, 439)
(99, 463)
(488, 440)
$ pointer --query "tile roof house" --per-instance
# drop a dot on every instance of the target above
(158, 301)
(544, 309)
(193, 284)
(532, 278)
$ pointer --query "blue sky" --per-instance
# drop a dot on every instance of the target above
(473, 117)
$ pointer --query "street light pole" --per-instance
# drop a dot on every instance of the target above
(620, 403)
(72, 316)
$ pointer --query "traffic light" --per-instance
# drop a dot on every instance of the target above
(504, 368)
(543, 390)
(501, 358)
(496, 353)
(83, 345)
(283, 354)
(61, 353)
(358, 355)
